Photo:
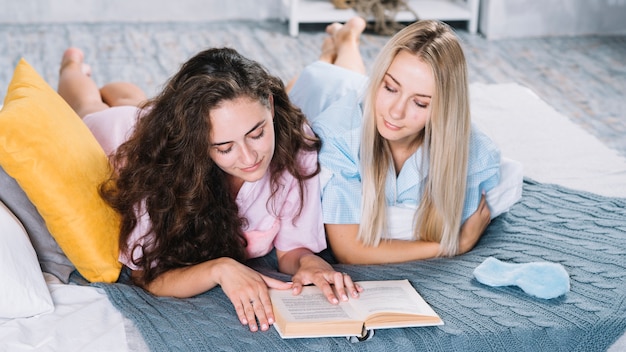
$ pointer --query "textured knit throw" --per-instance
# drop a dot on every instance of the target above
(584, 232)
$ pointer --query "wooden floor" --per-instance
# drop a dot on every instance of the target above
(582, 77)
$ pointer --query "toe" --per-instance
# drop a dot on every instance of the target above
(72, 55)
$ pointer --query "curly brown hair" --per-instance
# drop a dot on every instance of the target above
(164, 168)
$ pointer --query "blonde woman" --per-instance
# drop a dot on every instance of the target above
(404, 172)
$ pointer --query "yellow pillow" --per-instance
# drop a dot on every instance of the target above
(58, 163)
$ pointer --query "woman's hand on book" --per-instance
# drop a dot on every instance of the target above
(315, 270)
(248, 292)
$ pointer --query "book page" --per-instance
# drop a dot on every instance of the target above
(392, 296)
(310, 305)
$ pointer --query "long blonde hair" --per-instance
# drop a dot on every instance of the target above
(445, 139)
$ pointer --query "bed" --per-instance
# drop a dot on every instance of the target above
(571, 213)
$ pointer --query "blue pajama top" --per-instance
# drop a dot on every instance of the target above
(330, 96)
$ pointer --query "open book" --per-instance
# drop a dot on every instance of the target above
(381, 305)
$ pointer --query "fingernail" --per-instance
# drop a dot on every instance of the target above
(264, 327)
(335, 301)
(344, 297)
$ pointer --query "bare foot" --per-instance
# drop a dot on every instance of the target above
(348, 32)
(332, 28)
(340, 34)
(345, 44)
(329, 50)
(72, 57)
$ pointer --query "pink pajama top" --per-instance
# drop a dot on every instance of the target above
(270, 224)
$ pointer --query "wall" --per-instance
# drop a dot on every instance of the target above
(531, 18)
(56, 11)
(498, 18)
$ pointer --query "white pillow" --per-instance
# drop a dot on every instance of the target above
(400, 218)
(22, 285)
(509, 190)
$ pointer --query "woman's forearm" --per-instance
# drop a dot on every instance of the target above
(349, 250)
(188, 281)
(290, 262)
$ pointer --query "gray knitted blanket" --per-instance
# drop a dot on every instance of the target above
(584, 232)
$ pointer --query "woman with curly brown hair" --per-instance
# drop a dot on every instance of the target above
(218, 168)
